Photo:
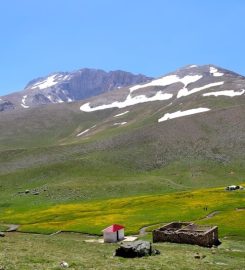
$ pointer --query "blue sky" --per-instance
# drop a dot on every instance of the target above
(152, 37)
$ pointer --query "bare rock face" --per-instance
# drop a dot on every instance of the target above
(68, 87)
(6, 106)
(136, 249)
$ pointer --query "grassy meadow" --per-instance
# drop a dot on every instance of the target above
(42, 252)
(140, 174)
(136, 212)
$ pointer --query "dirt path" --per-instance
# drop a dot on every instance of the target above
(143, 231)
(174, 183)
(210, 215)
(171, 182)
(12, 227)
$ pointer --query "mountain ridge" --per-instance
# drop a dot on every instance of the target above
(190, 93)
(59, 87)
(178, 84)
(62, 87)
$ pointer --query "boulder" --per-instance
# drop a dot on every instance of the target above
(136, 249)
(2, 234)
(64, 264)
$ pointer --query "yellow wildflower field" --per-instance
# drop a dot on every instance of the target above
(137, 212)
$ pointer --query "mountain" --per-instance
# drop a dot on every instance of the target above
(179, 132)
(142, 156)
(188, 112)
(67, 87)
(174, 86)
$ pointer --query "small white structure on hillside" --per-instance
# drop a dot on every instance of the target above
(233, 187)
(113, 233)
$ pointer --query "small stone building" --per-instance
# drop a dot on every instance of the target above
(113, 233)
(188, 233)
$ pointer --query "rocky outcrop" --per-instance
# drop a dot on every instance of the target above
(88, 82)
(6, 106)
(136, 249)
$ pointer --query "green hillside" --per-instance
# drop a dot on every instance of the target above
(62, 169)
(42, 154)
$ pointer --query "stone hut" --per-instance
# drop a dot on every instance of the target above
(187, 233)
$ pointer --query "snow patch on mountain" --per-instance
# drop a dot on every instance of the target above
(119, 124)
(85, 131)
(184, 91)
(129, 101)
(50, 98)
(55, 99)
(23, 102)
(24, 99)
(66, 77)
(120, 114)
(214, 71)
(190, 79)
(24, 106)
(51, 81)
(167, 80)
(48, 82)
(229, 93)
(177, 114)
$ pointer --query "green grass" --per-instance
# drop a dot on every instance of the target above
(3, 228)
(143, 173)
(232, 222)
(28, 251)
(100, 176)
(40, 151)
(135, 212)
(99, 179)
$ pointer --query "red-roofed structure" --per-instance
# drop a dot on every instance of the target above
(113, 233)
(113, 228)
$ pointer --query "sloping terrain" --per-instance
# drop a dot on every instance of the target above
(67, 87)
(209, 118)
(177, 133)
(136, 212)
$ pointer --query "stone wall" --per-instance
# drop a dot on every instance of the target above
(187, 233)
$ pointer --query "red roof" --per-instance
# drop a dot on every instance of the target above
(113, 228)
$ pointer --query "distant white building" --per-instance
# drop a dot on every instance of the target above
(233, 187)
(113, 233)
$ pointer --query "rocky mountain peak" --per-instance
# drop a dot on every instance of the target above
(188, 81)
(62, 87)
